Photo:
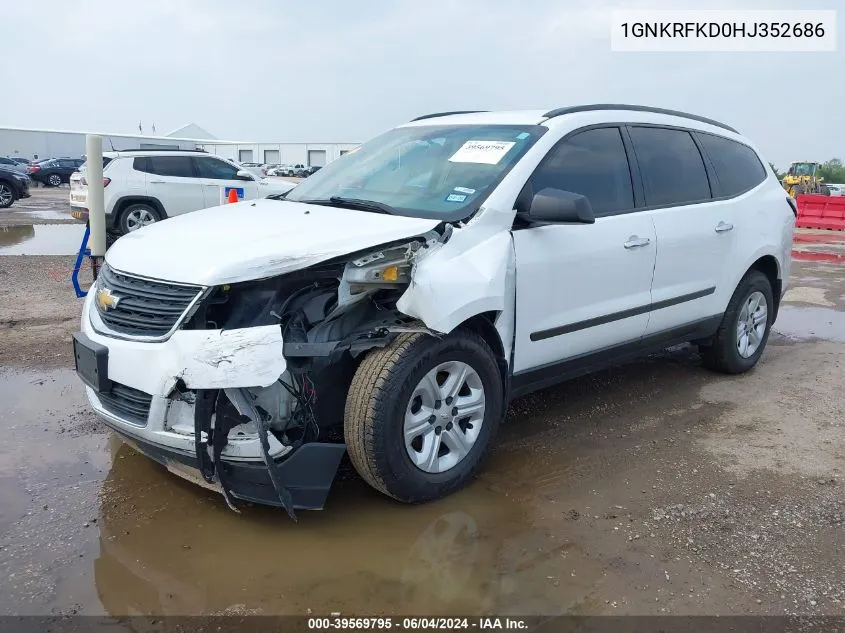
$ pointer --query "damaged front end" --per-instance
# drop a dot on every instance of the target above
(267, 429)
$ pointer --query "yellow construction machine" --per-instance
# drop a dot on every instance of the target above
(803, 177)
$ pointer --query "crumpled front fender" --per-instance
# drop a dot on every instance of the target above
(470, 274)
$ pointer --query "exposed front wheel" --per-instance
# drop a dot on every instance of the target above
(421, 413)
(738, 344)
(136, 216)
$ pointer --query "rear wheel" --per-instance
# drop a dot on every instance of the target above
(54, 180)
(136, 216)
(7, 196)
(742, 336)
(421, 413)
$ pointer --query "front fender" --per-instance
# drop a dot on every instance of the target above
(464, 277)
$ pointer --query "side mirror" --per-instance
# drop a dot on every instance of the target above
(558, 207)
(244, 175)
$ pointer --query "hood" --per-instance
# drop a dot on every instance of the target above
(270, 186)
(253, 239)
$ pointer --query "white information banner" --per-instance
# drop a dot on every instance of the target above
(740, 31)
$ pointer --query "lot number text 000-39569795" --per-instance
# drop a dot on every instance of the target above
(416, 623)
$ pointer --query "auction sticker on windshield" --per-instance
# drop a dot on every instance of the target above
(486, 152)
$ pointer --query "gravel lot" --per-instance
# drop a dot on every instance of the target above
(654, 488)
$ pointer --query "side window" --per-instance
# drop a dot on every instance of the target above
(175, 166)
(216, 169)
(67, 164)
(141, 163)
(737, 166)
(672, 168)
(593, 163)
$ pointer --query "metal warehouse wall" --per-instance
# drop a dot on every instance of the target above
(289, 153)
(46, 144)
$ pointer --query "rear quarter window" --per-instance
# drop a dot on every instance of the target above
(738, 168)
(672, 168)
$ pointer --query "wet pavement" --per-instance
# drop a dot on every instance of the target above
(654, 488)
(41, 239)
(46, 205)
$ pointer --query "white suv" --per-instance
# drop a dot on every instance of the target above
(393, 303)
(145, 186)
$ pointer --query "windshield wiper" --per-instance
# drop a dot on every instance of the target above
(354, 203)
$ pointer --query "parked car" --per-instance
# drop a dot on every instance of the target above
(20, 160)
(55, 171)
(362, 307)
(145, 186)
(254, 168)
(836, 189)
(278, 170)
(13, 164)
(13, 186)
(309, 171)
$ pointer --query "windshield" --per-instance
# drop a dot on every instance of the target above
(440, 172)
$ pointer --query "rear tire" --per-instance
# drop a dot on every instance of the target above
(742, 336)
(54, 180)
(413, 437)
(136, 216)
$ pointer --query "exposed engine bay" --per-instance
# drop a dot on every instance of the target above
(329, 314)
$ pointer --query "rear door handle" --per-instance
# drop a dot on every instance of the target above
(637, 242)
(721, 227)
(157, 182)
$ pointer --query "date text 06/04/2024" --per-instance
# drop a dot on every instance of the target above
(415, 623)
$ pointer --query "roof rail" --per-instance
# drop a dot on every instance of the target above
(635, 108)
(156, 149)
(437, 114)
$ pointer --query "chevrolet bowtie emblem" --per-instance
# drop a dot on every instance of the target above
(106, 300)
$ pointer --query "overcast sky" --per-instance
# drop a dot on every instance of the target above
(345, 70)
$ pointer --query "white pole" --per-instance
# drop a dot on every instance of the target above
(96, 194)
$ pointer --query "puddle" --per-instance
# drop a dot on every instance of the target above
(804, 323)
(98, 526)
(41, 239)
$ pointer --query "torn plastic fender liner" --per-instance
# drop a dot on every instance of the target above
(462, 278)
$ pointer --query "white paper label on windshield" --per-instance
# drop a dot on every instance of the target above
(486, 152)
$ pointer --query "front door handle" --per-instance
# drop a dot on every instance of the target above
(637, 242)
(157, 182)
(721, 227)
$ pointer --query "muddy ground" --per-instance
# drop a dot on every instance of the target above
(655, 488)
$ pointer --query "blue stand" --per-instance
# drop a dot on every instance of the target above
(83, 251)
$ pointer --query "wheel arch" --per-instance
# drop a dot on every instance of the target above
(484, 325)
(16, 192)
(769, 266)
(124, 201)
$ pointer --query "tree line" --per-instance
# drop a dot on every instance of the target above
(832, 171)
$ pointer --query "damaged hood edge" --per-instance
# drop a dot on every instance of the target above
(252, 240)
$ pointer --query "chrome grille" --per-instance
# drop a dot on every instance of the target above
(144, 308)
(127, 403)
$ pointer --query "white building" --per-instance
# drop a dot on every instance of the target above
(32, 143)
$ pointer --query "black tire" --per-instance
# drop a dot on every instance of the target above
(7, 195)
(824, 190)
(377, 400)
(54, 180)
(127, 214)
(721, 353)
